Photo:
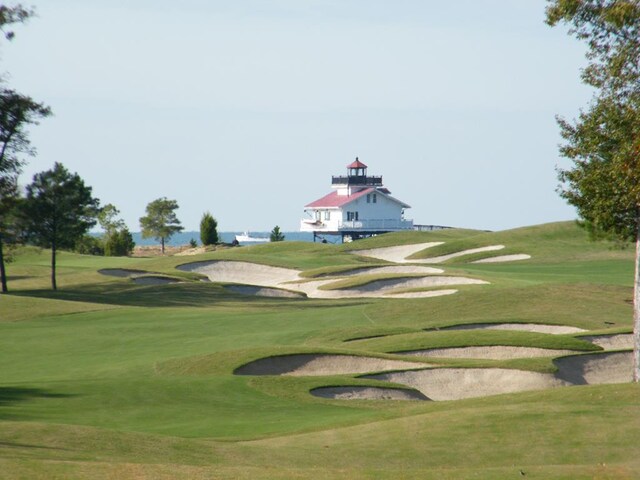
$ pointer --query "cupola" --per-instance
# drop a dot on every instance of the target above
(357, 169)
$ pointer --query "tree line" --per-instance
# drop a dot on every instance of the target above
(58, 209)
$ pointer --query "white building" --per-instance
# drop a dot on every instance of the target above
(359, 206)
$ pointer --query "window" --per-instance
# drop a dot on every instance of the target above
(327, 215)
(352, 216)
(368, 198)
(375, 198)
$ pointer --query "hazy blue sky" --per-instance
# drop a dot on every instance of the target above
(246, 108)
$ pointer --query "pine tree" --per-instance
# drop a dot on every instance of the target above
(276, 234)
(208, 229)
(161, 221)
(57, 211)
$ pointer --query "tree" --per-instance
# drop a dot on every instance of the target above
(10, 15)
(161, 221)
(208, 229)
(16, 112)
(9, 231)
(119, 243)
(117, 239)
(89, 245)
(108, 219)
(604, 142)
(276, 234)
(57, 211)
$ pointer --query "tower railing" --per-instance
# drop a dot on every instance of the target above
(350, 180)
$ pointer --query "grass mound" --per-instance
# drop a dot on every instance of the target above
(121, 272)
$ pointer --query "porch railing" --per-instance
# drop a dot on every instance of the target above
(368, 225)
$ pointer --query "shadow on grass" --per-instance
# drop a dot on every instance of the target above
(172, 295)
(12, 395)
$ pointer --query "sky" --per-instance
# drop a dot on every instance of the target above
(246, 108)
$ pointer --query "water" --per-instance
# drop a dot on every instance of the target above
(183, 238)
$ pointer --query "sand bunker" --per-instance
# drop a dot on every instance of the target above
(154, 280)
(596, 368)
(504, 258)
(400, 253)
(242, 272)
(459, 383)
(121, 272)
(401, 269)
(525, 327)
(367, 393)
(493, 352)
(386, 286)
(255, 275)
(263, 291)
(322, 364)
(397, 254)
(622, 341)
(471, 251)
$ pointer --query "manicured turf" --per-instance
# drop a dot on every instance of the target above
(109, 379)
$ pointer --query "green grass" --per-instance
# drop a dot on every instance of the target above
(554, 242)
(462, 338)
(295, 255)
(108, 379)
(408, 238)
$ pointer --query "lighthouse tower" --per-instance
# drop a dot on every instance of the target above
(359, 206)
(355, 180)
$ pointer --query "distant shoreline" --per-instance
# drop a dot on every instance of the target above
(183, 238)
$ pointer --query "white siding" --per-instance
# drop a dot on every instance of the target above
(384, 214)
(383, 209)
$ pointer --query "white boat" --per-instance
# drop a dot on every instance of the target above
(246, 237)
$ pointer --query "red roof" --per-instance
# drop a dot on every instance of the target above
(335, 200)
(357, 164)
